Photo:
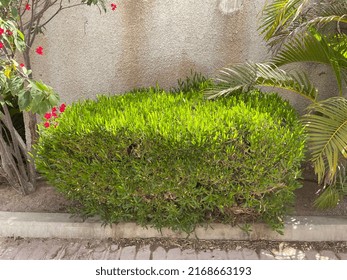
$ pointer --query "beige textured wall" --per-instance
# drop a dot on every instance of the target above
(148, 41)
(144, 42)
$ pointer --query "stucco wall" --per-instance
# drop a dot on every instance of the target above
(148, 41)
(144, 42)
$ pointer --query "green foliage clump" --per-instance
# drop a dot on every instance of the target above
(195, 82)
(176, 160)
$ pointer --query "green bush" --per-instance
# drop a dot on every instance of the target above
(176, 160)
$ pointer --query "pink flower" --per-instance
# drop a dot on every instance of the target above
(27, 7)
(48, 116)
(1, 31)
(21, 65)
(1, 45)
(39, 50)
(113, 6)
(62, 108)
(46, 124)
(9, 32)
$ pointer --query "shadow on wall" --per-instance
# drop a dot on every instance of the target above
(135, 42)
(162, 42)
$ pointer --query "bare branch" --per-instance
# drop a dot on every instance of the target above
(39, 14)
(21, 143)
(57, 11)
(6, 170)
(18, 166)
(19, 8)
(60, 9)
(11, 129)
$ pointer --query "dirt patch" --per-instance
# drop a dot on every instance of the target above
(305, 198)
(47, 199)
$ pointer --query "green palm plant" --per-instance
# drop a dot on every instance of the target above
(304, 31)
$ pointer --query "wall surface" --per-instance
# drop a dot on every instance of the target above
(145, 42)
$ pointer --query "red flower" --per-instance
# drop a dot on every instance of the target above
(54, 114)
(48, 116)
(113, 6)
(46, 124)
(1, 31)
(39, 50)
(62, 108)
(27, 7)
(21, 65)
(9, 32)
(54, 109)
(1, 45)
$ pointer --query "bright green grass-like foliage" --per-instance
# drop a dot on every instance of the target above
(176, 160)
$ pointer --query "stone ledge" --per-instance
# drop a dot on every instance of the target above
(57, 225)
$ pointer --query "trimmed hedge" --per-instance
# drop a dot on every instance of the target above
(176, 160)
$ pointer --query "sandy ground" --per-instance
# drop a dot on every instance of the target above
(44, 199)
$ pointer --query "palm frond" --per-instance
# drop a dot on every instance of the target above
(332, 194)
(327, 11)
(326, 125)
(245, 76)
(280, 14)
(314, 47)
(330, 7)
(329, 198)
(321, 21)
(339, 43)
(308, 14)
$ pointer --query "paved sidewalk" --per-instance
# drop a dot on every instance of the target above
(82, 249)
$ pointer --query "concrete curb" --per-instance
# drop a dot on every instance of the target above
(56, 225)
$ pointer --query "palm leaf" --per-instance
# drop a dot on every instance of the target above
(245, 76)
(332, 194)
(326, 125)
(329, 198)
(325, 12)
(321, 21)
(278, 15)
(308, 14)
(314, 47)
(331, 7)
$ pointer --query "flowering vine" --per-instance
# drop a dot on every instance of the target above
(39, 50)
(52, 116)
(113, 6)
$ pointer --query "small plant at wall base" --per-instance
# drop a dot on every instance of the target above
(304, 31)
(195, 82)
(175, 159)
